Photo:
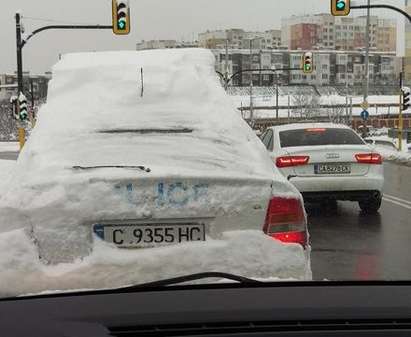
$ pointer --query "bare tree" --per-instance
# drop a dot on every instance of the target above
(306, 105)
(336, 112)
(8, 125)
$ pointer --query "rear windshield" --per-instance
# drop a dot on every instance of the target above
(319, 136)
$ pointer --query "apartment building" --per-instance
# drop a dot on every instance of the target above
(164, 44)
(240, 39)
(39, 83)
(331, 68)
(324, 31)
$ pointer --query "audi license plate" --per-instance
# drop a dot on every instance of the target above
(150, 235)
(332, 168)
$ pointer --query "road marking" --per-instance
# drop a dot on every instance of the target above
(397, 199)
(396, 203)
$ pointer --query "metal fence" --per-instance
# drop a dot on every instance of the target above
(8, 124)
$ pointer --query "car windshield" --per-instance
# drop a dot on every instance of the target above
(319, 137)
(146, 140)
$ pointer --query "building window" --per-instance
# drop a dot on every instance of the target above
(324, 76)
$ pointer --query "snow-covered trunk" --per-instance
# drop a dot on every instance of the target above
(64, 225)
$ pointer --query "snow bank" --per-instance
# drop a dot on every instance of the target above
(399, 157)
(248, 253)
(389, 154)
(6, 168)
(270, 101)
(9, 147)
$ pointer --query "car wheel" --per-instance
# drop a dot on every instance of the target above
(372, 205)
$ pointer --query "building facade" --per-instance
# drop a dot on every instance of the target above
(36, 84)
(164, 44)
(331, 68)
(324, 31)
(240, 39)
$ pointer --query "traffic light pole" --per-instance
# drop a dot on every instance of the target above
(383, 6)
(21, 129)
(19, 55)
(20, 43)
(70, 27)
(400, 119)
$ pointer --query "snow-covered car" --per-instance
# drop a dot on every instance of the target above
(143, 150)
(327, 162)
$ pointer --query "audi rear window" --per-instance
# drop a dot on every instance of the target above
(319, 137)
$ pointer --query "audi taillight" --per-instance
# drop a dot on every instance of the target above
(290, 161)
(286, 221)
(369, 158)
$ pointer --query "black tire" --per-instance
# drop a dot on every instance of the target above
(372, 205)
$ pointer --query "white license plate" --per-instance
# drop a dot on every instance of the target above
(150, 235)
(332, 168)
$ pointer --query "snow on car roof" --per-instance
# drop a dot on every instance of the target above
(101, 107)
(300, 126)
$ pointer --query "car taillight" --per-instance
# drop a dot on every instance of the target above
(369, 158)
(289, 161)
(285, 221)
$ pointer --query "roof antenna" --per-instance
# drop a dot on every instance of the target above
(142, 82)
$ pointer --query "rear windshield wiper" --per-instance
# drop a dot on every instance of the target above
(147, 131)
(191, 277)
(142, 168)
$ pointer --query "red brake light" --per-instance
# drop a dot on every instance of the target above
(369, 158)
(289, 161)
(315, 130)
(285, 221)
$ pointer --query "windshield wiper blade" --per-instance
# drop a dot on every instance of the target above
(193, 277)
(147, 131)
(142, 168)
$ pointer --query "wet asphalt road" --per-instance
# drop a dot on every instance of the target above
(348, 245)
(9, 155)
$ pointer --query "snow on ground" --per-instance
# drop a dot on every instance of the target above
(247, 253)
(9, 147)
(6, 167)
(399, 157)
(389, 154)
(270, 101)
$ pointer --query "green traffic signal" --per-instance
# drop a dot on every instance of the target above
(340, 5)
(121, 17)
(121, 25)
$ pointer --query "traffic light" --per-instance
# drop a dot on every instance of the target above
(121, 17)
(340, 7)
(307, 63)
(23, 112)
(406, 93)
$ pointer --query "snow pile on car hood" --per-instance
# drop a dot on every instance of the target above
(247, 253)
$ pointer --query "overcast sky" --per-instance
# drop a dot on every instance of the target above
(151, 19)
